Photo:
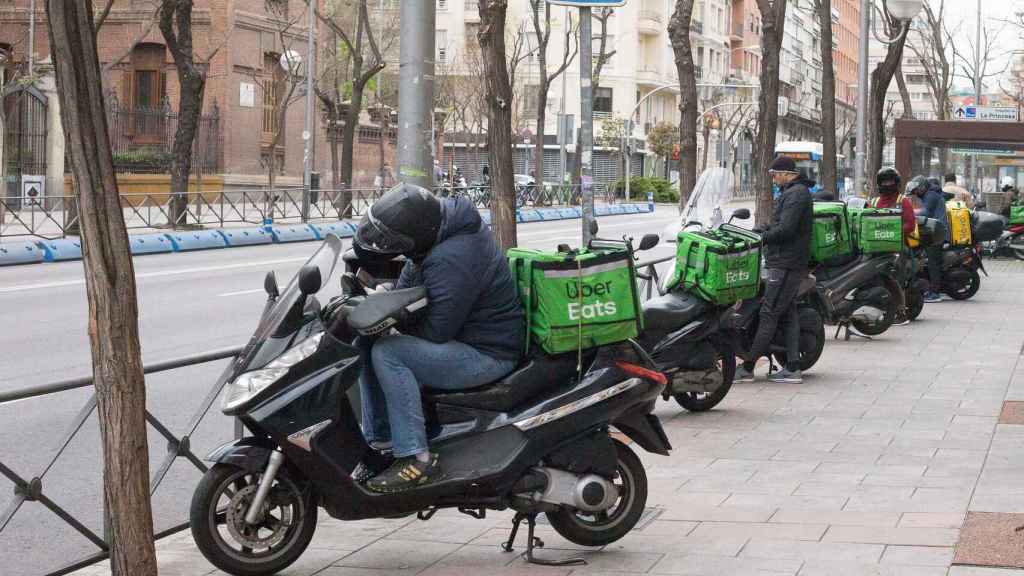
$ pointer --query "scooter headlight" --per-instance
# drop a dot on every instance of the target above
(249, 384)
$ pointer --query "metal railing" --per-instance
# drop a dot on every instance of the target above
(30, 489)
(53, 217)
(57, 216)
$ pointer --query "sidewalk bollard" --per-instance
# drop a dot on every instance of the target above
(268, 225)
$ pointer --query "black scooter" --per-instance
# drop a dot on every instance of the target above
(960, 270)
(537, 441)
(864, 293)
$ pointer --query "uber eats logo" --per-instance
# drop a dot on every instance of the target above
(887, 234)
(831, 237)
(597, 308)
(737, 276)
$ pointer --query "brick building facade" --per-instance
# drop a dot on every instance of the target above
(242, 41)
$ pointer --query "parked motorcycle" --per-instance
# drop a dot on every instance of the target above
(960, 270)
(1009, 244)
(864, 293)
(537, 441)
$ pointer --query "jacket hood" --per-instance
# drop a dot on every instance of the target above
(458, 216)
(801, 180)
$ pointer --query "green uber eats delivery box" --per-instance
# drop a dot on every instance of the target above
(577, 300)
(831, 231)
(878, 230)
(721, 266)
(1017, 214)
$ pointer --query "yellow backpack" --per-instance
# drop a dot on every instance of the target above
(959, 217)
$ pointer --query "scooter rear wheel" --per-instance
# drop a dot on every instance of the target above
(606, 527)
(967, 289)
(216, 517)
(915, 303)
(702, 402)
(812, 339)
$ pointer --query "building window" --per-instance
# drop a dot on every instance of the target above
(603, 100)
(145, 82)
(272, 85)
(441, 41)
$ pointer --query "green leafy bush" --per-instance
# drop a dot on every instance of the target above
(640, 186)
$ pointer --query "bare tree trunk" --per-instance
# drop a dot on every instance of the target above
(828, 100)
(908, 106)
(192, 80)
(499, 120)
(110, 290)
(706, 136)
(773, 19)
(679, 34)
(881, 76)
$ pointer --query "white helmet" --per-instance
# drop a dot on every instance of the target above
(1009, 182)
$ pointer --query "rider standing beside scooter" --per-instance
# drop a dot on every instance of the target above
(934, 203)
(787, 252)
(471, 332)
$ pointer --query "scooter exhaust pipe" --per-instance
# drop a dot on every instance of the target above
(868, 314)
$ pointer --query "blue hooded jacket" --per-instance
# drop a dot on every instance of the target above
(473, 298)
(934, 202)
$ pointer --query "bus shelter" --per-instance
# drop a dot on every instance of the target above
(935, 148)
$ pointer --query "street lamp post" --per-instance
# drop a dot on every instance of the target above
(904, 11)
(629, 121)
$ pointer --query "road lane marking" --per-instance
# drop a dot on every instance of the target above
(241, 292)
(162, 273)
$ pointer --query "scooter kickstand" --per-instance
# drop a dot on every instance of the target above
(534, 542)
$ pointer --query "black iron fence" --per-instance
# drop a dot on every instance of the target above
(30, 487)
(57, 216)
(142, 138)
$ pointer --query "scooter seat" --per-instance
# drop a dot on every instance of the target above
(672, 311)
(538, 374)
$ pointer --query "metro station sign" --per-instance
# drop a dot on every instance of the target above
(986, 113)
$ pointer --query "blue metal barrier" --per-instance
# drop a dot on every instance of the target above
(339, 229)
(197, 240)
(20, 252)
(61, 249)
(294, 233)
(528, 216)
(150, 244)
(246, 236)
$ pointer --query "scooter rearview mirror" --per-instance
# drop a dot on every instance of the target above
(270, 285)
(741, 214)
(649, 241)
(309, 279)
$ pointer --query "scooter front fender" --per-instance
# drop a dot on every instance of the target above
(250, 454)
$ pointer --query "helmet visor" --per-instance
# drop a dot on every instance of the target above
(373, 236)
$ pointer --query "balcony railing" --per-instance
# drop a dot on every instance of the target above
(697, 27)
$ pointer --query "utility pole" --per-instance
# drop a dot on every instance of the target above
(416, 93)
(563, 136)
(586, 121)
(862, 98)
(31, 35)
(977, 95)
(307, 133)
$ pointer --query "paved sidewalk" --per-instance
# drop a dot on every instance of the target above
(868, 468)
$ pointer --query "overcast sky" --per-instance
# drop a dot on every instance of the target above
(993, 13)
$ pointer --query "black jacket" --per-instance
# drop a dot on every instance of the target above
(473, 298)
(787, 241)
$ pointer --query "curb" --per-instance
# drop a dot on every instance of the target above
(68, 249)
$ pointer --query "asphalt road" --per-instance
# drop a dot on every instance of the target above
(188, 303)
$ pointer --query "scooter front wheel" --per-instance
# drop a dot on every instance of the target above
(285, 527)
(605, 527)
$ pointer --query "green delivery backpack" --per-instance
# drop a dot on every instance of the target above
(577, 300)
(721, 266)
(879, 230)
(831, 232)
(1017, 214)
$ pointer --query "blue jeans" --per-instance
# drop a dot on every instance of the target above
(394, 370)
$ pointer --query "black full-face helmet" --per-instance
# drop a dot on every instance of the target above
(405, 220)
(888, 180)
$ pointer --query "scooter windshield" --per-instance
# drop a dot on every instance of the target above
(274, 331)
(713, 191)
